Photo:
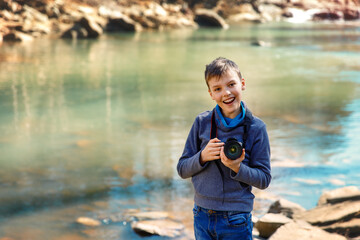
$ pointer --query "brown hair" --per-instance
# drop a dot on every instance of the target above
(218, 67)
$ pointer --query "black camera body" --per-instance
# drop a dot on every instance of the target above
(233, 148)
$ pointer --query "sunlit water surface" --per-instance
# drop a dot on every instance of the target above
(96, 127)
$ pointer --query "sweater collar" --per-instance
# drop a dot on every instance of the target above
(233, 122)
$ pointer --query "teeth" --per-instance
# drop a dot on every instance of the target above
(229, 101)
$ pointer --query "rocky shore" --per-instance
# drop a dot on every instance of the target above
(25, 20)
(336, 217)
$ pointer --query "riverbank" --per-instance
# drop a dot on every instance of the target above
(22, 21)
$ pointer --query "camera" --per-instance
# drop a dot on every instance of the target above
(233, 148)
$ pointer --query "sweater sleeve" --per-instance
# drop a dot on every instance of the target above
(189, 162)
(257, 174)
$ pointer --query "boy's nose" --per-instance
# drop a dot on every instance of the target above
(227, 92)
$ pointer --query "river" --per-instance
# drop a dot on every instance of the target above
(95, 127)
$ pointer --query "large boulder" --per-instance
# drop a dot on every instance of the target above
(209, 18)
(16, 36)
(122, 22)
(286, 208)
(269, 223)
(328, 214)
(84, 28)
(340, 195)
(300, 230)
(165, 227)
(350, 228)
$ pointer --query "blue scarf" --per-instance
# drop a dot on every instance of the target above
(231, 123)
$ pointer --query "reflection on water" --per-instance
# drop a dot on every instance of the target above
(107, 119)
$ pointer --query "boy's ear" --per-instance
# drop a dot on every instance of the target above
(243, 85)
(210, 94)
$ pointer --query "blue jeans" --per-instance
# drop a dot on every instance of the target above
(227, 225)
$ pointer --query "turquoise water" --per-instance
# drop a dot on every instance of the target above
(95, 127)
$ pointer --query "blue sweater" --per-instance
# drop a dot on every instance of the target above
(231, 192)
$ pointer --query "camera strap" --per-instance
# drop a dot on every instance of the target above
(213, 134)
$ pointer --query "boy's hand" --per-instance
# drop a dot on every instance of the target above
(232, 164)
(211, 151)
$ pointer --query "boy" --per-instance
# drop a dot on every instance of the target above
(223, 198)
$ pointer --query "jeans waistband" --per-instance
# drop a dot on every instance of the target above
(210, 211)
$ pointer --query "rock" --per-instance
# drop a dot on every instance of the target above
(270, 12)
(350, 228)
(327, 15)
(15, 36)
(90, 222)
(351, 14)
(269, 223)
(165, 228)
(75, 32)
(285, 207)
(149, 215)
(86, 27)
(122, 23)
(260, 43)
(245, 17)
(209, 18)
(93, 29)
(340, 195)
(300, 230)
(33, 14)
(328, 214)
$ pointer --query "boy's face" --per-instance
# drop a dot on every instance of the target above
(226, 91)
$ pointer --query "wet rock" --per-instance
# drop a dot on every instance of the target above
(90, 222)
(209, 18)
(33, 14)
(350, 228)
(327, 15)
(86, 27)
(92, 28)
(245, 17)
(269, 223)
(166, 228)
(351, 193)
(15, 36)
(122, 23)
(149, 215)
(260, 43)
(351, 14)
(328, 214)
(300, 230)
(286, 208)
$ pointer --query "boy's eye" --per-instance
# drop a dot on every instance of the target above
(217, 89)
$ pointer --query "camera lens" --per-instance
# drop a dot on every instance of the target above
(233, 149)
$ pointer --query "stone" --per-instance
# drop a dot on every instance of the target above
(285, 207)
(350, 228)
(245, 17)
(339, 195)
(209, 18)
(92, 28)
(269, 223)
(300, 230)
(15, 36)
(351, 14)
(327, 15)
(165, 228)
(328, 214)
(150, 215)
(90, 222)
(122, 23)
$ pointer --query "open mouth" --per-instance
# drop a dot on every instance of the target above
(229, 101)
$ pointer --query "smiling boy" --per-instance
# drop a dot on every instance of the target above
(223, 198)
